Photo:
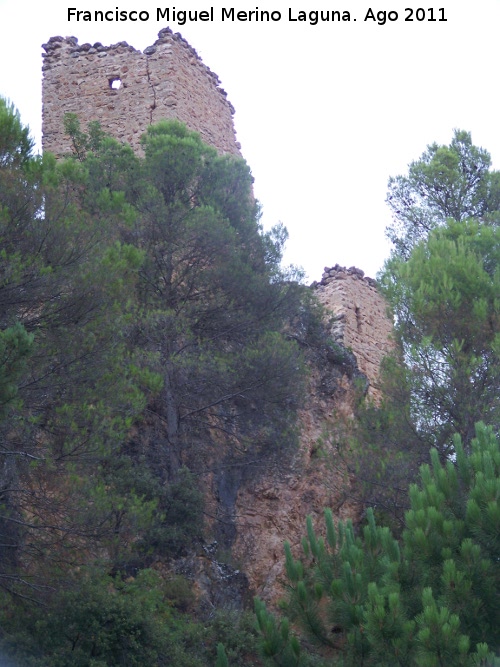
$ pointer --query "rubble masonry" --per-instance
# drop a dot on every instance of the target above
(126, 90)
(360, 320)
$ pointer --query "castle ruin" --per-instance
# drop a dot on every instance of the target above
(359, 319)
(127, 90)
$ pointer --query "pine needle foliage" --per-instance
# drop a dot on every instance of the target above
(430, 599)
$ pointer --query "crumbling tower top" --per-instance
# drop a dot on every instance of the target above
(360, 319)
(126, 90)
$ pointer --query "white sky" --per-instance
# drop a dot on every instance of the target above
(325, 114)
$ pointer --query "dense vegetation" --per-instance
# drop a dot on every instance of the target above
(148, 334)
(429, 599)
(143, 317)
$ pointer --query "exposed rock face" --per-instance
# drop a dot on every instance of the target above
(273, 508)
(126, 90)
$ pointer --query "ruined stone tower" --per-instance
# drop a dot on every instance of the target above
(126, 90)
(359, 319)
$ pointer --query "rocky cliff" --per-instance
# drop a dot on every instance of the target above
(253, 507)
(273, 508)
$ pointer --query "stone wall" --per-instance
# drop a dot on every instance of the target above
(359, 318)
(126, 90)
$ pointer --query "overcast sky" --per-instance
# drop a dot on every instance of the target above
(324, 113)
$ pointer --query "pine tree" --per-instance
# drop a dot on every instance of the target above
(431, 599)
(445, 302)
(444, 375)
(447, 182)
